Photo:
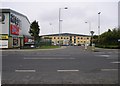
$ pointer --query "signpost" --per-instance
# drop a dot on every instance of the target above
(93, 45)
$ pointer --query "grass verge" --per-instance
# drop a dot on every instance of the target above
(108, 46)
(48, 47)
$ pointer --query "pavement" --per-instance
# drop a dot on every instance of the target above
(69, 65)
(62, 47)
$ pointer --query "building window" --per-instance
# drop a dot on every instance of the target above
(67, 38)
(78, 38)
(54, 37)
(81, 38)
(87, 38)
(61, 37)
(58, 37)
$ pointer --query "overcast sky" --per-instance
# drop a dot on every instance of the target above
(46, 12)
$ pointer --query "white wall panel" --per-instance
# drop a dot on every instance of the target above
(4, 26)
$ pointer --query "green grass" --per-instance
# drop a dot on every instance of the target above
(108, 46)
(48, 47)
(42, 47)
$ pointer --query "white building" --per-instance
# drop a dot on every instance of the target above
(14, 29)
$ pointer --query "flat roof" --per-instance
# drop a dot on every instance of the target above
(10, 10)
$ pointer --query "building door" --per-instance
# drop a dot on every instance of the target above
(21, 42)
(15, 42)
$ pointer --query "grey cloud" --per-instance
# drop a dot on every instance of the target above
(73, 19)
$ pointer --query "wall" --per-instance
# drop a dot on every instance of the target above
(75, 39)
(24, 24)
(4, 25)
(19, 26)
(14, 26)
(4, 30)
(64, 40)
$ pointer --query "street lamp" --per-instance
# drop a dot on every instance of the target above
(99, 26)
(99, 23)
(60, 21)
(89, 26)
(93, 45)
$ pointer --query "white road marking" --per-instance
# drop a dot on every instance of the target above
(47, 55)
(25, 70)
(115, 62)
(46, 58)
(67, 70)
(109, 69)
(104, 55)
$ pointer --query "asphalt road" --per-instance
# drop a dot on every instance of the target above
(70, 65)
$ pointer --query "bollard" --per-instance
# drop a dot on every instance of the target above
(93, 47)
(85, 46)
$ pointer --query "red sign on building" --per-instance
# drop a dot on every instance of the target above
(14, 29)
(28, 40)
(25, 39)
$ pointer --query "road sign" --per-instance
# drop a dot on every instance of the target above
(118, 40)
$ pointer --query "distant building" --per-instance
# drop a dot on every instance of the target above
(14, 29)
(68, 39)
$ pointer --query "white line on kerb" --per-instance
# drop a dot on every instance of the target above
(115, 62)
(67, 70)
(47, 58)
(109, 69)
(25, 70)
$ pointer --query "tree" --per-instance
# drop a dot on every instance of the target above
(110, 38)
(34, 31)
(95, 39)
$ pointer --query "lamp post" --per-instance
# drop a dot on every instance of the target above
(92, 32)
(89, 26)
(60, 21)
(99, 23)
(99, 27)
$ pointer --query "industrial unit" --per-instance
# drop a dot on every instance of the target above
(68, 39)
(14, 29)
